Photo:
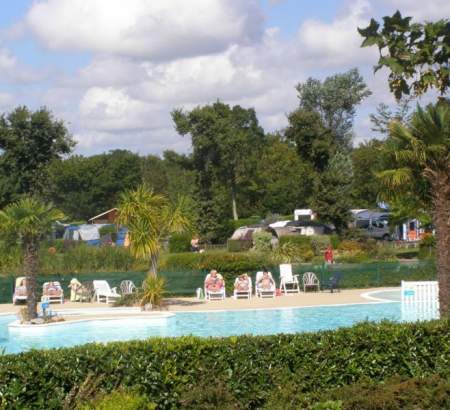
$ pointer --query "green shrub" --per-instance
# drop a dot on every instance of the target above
(299, 245)
(262, 241)
(427, 247)
(298, 240)
(239, 245)
(335, 240)
(180, 242)
(118, 400)
(251, 369)
(319, 243)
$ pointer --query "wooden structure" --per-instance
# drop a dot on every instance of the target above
(107, 217)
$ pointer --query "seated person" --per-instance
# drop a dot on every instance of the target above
(242, 284)
(214, 282)
(52, 289)
(266, 282)
(195, 247)
(21, 289)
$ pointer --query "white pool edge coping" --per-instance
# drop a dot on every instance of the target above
(157, 317)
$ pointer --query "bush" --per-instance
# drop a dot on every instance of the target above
(251, 369)
(118, 400)
(108, 231)
(262, 241)
(427, 246)
(300, 245)
(239, 245)
(319, 243)
(180, 242)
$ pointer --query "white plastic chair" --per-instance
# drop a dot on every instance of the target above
(103, 292)
(310, 280)
(217, 294)
(127, 287)
(288, 282)
(264, 293)
(243, 293)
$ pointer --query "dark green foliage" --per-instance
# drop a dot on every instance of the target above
(299, 240)
(367, 160)
(416, 55)
(83, 187)
(29, 141)
(252, 220)
(180, 242)
(249, 370)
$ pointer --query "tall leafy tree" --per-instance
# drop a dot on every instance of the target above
(419, 158)
(283, 178)
(150, 219)
(417, 57)
(86, 186)
(416, 54)
(29, 142)
(384, 115)
(226, 142)
(335, 99)
(331, 198)
(29, 220)
(313, 141)
(367, 161)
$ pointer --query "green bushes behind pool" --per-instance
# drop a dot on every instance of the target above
(250, 370)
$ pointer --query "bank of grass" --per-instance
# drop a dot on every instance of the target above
(387, 361)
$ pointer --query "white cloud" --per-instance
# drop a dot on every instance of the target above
(338, 43)
(152, 29)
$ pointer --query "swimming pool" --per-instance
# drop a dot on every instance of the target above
(218, 323)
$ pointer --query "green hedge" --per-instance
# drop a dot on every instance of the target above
(180, 242)
(250, 368)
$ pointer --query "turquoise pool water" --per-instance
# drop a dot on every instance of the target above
(255, 322)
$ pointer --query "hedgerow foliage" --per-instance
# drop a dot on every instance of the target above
(246, 369)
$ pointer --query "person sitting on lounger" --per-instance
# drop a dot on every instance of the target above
(243, 283)
(266, 282)
(214, 282)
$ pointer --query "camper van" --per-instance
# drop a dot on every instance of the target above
(373, 223)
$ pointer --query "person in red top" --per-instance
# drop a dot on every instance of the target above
(329, 254)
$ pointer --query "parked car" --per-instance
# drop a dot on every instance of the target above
(375, 228)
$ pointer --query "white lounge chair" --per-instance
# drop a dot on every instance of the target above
(310, 280)
(127, 287)
(215, 294)
(103, 293)
(243, 293)
(53, 292)
(288, 282)
(264, 293)
(20, 290)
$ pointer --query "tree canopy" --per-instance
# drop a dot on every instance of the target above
(416, 54)
(29, 142)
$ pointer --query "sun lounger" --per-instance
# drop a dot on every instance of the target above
(103, 293)
(288, 281)
(264, 292)
(127, 287)
(241, 293)
(53, 292)
(20, 290)
(214, 294)
(310, 280)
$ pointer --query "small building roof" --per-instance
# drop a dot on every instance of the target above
(103, 213)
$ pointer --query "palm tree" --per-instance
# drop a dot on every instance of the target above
(29, 220)
(150, 218)
(418, 155)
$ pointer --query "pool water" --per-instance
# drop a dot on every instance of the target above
(229, 323)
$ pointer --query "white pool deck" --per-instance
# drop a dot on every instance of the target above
(73, 311)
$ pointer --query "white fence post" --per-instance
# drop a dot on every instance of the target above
(420, 300)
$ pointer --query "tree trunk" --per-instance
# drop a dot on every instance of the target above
(233, 202)
(31, 264)
(154, 265)
(441, 219)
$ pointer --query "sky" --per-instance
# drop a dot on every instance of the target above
(114, 70)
